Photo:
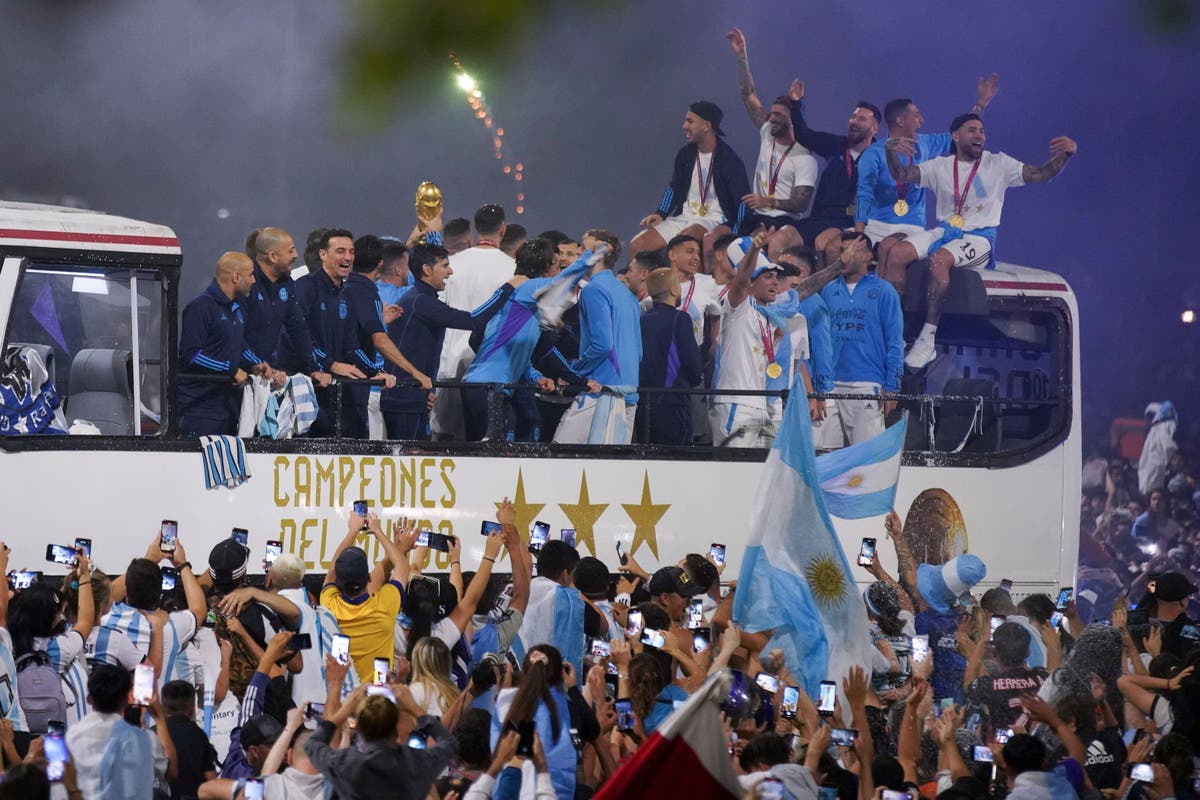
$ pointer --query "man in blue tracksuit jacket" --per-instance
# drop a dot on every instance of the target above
(670, 360)
(868, 347)
(211, 343)
(420, 330)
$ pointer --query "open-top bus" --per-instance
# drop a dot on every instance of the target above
(991, 461)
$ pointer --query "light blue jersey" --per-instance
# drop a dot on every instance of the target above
(820, 343)
(877, 188)
(610, 338)
(179, 630)
(390, 295)
(10, 706)
(868, 331)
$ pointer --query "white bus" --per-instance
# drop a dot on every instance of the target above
(96, 297)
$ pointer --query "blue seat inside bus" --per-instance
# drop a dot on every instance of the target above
(102, 390)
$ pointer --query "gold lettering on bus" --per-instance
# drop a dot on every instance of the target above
(281, 463)
(364, 478)
(324, 483)
(425, 501)
(408, 482)
(387, 482)
(450, 496)
(345, 474)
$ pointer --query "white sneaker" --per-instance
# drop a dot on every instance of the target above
(922, 352)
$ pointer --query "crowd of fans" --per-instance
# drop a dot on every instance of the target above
(174, 681)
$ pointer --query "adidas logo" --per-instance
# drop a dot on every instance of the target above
(1097, 754)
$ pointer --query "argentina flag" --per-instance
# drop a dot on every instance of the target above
(860, 480)
(795, 580)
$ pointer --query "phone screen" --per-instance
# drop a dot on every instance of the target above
(624, 711)
(360, 507)
(300, 641)
(843, 737)
(1006, 585)
(621, 554)
(539, 536)
(416, 741)
(716, 551)
(866, 552)
(314, 711)
(1064, 597)
(635, 623)
(1056, 619)
(695, 614)
(382, 668)
(920, 647)
(274, 550)
(997, 621)
(439, 542)
(84, 544)
(769, 789)
(56, 755)
(23, 580)
(828, 697)
(61, 554)
(143, 684)
(767, 682)
(170, 577)
(791, 702)
(567, 535)
(241, 536)
(168, 536)
(653, 638)
(1141, 772)
(488, 527)
(599, 648)
(339, 648)
(253, 790)
(983, 753)
(701, 639)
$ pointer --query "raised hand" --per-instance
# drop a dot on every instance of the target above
(737, 40)
(1063, 146)
(796, 90)
(986, 89)
(506, 514)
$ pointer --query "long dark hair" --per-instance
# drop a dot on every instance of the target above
(33, 615)
(543, 669)
(422, 605)
(645, 682)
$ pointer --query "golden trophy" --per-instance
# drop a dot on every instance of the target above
(428, 201)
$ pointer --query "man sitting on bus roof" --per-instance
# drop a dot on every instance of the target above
(211, 343)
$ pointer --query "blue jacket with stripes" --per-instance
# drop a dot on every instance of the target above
(210, 342)
(729, 182)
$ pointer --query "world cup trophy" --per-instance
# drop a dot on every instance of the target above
(428, 201)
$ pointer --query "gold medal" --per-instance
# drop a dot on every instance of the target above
(900, 207)
(957, 221)
(702, 211)
(774, 370)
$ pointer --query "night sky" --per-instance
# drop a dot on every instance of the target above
(172, 111)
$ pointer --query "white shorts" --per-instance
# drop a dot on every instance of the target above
(671, 227)
(877, 231)
(738, 425)
(969, 251)
(580, 425)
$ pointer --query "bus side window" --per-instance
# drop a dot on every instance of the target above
(69, 356)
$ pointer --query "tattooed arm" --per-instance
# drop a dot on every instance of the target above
(1061, 149)
(801, 197)
(746, 88)
(905, 173)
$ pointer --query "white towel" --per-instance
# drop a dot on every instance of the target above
(255, 395)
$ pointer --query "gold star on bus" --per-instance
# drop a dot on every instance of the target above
(526, 512)
(645, 516)
(825, 580)
(583, 516)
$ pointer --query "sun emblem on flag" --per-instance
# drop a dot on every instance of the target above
(855, 481)
(825, 580)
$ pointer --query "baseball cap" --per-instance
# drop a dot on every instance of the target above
(351, 570)
(227, 563)
(673, 580)
(1172, 587)
(260, 729)
(709, 112)
(701, 571)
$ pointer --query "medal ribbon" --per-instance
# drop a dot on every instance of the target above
(849, 164)
(959, 202)
(902, 186)
(705, 181)
(767, 334)
(777, 169)
(687, 301)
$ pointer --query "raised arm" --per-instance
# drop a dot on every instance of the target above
(816, 282)
(905, 173)
(462, 612)
(754, 107)
(985, 91)
(520, 557)
(355, 527)
(1061, 149)
(739, 287)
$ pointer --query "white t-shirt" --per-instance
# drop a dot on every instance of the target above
(710, 207)
(799, 168)
(432, 703)
(985, 198)
(478, 273)
(743, 357)
(698, 297)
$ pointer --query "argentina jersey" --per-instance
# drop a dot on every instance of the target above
(66, 653)
(10, 708)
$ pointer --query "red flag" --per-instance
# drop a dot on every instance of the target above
(686, 757)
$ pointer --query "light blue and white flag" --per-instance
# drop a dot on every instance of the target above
(795, 579)
(553, 616)
(860, 480)
(556, 297)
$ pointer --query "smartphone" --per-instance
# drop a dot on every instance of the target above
(488, 527)
(274, 550)
(380, 671)
(423, 538)
(168, 535)
(1006, 584)
(300, 641)
(599, 648)
(23, 579)
(716, 551)
(769, 789)
(982, 754)
(55, 748)
(525, 729)
(360, 508)
(624, 559)
(56, 726)
(828, 698)
(695, 614)
(539, 536)
(416, 741)
(635, 624)
(439, 542)
(624, 711)
(567, 535)
(143, 684)
(253, 790)
(1141, 772)
(1056, 619)
(1137, 616)
(843, 737)
(997, 621)
(61, 554)
(866, 552)
(701, 639)
(1190, 632)
(791, 702)
(339, 648)
(84, 544)
(892, 794)
(1003, 735)
(314, 711)
(241, 536)
(653, 638)
(1064, 598)
(170, 577)
(374, 689)
(767, 682)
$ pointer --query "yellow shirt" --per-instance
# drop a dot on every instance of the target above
(370, 624)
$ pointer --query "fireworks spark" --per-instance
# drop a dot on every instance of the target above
(483, 113)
